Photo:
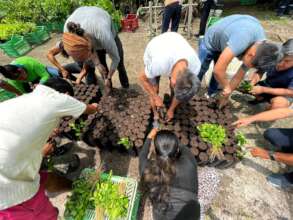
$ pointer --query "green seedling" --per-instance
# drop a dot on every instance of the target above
(80, 199)
(241, 141)
(126, 143)
(215, 135)
(108, 197)
(77, 127)
(245, 86)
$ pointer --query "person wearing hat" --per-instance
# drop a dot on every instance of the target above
(88, 36)
(240, 36)
(171, 55)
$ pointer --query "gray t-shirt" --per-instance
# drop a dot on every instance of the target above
(97, 23)
(238, 32)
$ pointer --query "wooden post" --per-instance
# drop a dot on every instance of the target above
(156, 17)
(189, 18)
(151, 18)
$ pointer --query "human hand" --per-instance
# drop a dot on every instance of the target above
(78, 81)
(158, 101)
(259, 152)
(48, 148)
(153, 133)
(242, 122)
(227, 91)
(170, 115)
(256, 90)
(223, 101)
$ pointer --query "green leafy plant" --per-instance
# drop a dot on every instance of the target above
(16, 28)
(215, 135)
(108, 197)
(77, 127)
(241, 141)
(245, 86)
(79, 200)
(125, 142)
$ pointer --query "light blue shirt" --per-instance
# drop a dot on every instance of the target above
(238, 32)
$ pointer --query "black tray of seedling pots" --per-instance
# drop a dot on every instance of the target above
(123, 115)
(197, 111)
(74, 128)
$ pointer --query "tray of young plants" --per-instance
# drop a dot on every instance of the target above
(102, 196)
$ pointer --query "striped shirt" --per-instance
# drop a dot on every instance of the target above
(97, 23)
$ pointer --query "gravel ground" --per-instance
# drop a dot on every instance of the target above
(244, 192)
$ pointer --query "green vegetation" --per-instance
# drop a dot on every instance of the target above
(215, 135)
(241, 141)
(94, 191)
(245, 86)
(16, 28)
(77, 127)
(108, 197)
(126, 143)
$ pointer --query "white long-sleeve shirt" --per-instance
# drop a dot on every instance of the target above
(26, 122)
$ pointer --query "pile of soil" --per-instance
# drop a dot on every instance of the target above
(201, 110)
(122, 114)
(86, 94)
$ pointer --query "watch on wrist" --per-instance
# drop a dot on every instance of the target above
(271, 154)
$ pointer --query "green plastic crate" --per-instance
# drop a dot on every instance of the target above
(247, 2)
(16, 46)
(5, 95)
(58, 27)
(131, 193)
(39, 36)
(212, 20)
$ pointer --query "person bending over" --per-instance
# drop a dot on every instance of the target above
(170, 54)
(26, 123)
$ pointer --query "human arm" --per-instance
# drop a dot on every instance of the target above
(256, 90)
(143, 154)
(220, 70)
(171, 110)
(112, 50)
(82, 73)
(286, 158)
(51, 57)
(237, 78)
(270, 115)
(150, 90)
(6, 86)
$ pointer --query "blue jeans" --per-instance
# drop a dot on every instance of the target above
(171, 12)
(206, 56)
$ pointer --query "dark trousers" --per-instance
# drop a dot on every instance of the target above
(207, 6)
(283, 7)
(121, 68)
(172, 13)
(206, 57)
(77, 67)
(282, 140)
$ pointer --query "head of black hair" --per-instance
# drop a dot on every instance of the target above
(60, 85)
(267, 56)
(9, 71)
(287, 48)
(75, 28)
(187, 85)
(160, 170)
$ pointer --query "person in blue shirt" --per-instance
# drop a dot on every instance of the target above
(240, 36)
(277, 88)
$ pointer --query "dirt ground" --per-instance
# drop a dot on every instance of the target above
(244, 193)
